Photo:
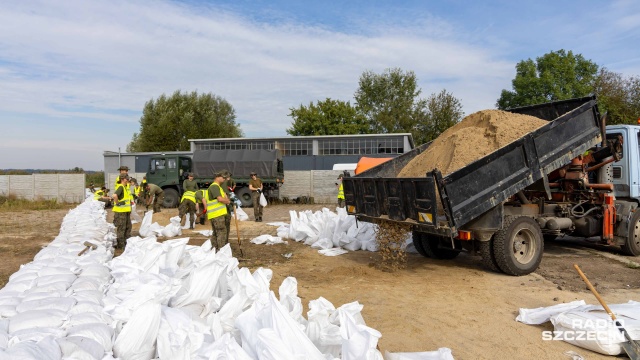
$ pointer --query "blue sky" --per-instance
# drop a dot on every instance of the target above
(74, 75)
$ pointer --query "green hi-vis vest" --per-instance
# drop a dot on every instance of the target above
(189, 195)
(124, 204)
(214, 207)
(341, 192)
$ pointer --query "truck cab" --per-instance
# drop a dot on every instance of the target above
(167, 171)
(625, 173)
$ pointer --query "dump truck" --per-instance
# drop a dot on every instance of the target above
(170, 171)
(571, 177)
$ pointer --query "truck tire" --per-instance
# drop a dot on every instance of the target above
(432, 249)
(631, 246)
(488, 259)
(417, 243)
(518, 247)
(244, 194)
(171, 198)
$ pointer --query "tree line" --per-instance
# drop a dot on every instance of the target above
(392, 102)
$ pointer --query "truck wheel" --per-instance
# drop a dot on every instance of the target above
(518, 247)
(631, 246)
(488, 259)
(171, 198)
(430, 246)
(244, 194)
(417, 242)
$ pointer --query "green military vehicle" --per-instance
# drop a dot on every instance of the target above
(169, 171)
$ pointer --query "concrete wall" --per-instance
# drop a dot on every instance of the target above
(63, 187)
(319, 184)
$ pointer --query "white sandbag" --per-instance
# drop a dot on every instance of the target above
(605, 337)
(323, 243)
(543, 314)
(80, 348)
(37, 318)
(333, 252)
(173, 335)
(87, 318)
(35, 334)
(320, 330)
(224, 347)
(289, 299)
(54, 303)
(135, 216)
(145, 225)
(45, 349)
(268, 240)
(359, 341)
(173, 229)
(92, 296)
(7, 311)
(138, 336)
(241, 214)
(271, 346)
(99, 332)
(263, 200)
(440, 354)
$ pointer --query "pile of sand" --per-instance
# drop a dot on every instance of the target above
(477, 135)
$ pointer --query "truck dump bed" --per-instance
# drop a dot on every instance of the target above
(573, 128)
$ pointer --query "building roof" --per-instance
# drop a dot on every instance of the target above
(311, 137)
(115, 153)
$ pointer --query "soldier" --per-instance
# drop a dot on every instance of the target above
(122, 212)
(124, 170)
(340, 192)
(103, 195)
(155, 194)
(189, 184)
(255, 185)
(188, 205)
(216, 211)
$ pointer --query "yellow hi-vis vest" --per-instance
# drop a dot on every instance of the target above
(189, 195)
(214, 207)
(137, 190)
(98, 194)
(124, 204)
(341, 192)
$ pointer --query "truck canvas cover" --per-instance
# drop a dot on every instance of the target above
(239, 162)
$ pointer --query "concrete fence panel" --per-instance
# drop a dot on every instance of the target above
(62, 187)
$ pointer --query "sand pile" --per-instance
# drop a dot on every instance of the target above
(477, 135)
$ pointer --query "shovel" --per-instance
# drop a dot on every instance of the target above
(235, 218)
(632, 347)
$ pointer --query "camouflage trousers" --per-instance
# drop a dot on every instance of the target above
(257, 208)
(187, 207)
(122, 222)
(341, 203)
(219, 236)
(157, 202)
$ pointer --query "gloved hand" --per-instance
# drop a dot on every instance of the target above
(259, 191)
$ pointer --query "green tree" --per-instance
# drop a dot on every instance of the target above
(328, 117)
(618, 96)
(168, 122)
(438, 113)
(389, 101)
(558, 75)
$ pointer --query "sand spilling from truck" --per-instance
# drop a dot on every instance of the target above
(477, 135)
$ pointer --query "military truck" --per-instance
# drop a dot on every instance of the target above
(169, 171)
(573, 176)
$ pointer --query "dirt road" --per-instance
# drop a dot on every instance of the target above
(429, 304)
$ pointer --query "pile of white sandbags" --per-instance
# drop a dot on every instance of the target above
(165, 300)
(52, 307)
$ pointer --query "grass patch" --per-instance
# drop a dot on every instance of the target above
(632, 265)
(13, 203)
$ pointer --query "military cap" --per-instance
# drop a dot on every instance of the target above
(123, 167)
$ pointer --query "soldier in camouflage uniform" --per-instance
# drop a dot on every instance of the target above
(188, 205)
(122, 211)
(217, 211)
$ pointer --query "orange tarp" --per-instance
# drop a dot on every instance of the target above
(367, 163)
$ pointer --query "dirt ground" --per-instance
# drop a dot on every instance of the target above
(429, 304)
